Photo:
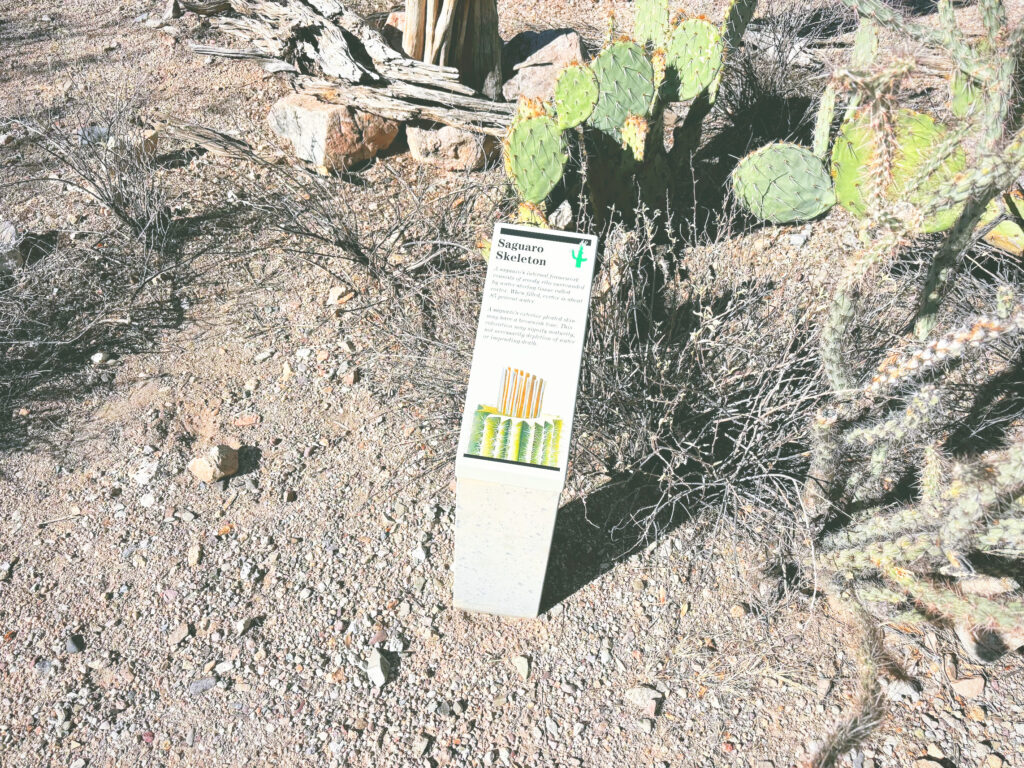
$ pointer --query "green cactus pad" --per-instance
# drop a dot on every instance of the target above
(965, 95)
(534, 157)
(625, 79)
(575, 95)
(694, 55)
(1007, 235)
(782, 183)
(651, 21)
(916, 136)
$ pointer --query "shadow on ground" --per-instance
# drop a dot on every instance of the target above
(589, 538)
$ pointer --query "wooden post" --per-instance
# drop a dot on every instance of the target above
(415, 21)
(459, 33)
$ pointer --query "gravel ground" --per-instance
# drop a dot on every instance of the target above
(298, 613)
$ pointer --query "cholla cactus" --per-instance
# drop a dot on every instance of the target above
(899, 555)
(907, 513)
(988, 65)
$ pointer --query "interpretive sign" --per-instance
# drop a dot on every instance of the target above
(514, 443)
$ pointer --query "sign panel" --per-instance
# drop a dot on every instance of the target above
(522, 386)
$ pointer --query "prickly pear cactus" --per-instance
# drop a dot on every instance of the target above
(528, 213)
(965, 94)
(782, 183)
(634, 136)
(534, 157)
(694, 52)
(1007, 234)
(916, 136)
(575, 95)
(625, 79)
(651, 21)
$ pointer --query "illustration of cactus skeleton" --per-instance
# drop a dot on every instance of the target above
(514, 429)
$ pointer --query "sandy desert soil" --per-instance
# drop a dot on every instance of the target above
(147, 619)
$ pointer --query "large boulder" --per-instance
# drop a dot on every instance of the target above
(330, 136)
(543, 58)
(450, 148)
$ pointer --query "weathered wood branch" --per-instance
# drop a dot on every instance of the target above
(209, 139)
(333, 53)
(206, 7)
(395, 101)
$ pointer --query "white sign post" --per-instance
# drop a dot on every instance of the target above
(514, 442)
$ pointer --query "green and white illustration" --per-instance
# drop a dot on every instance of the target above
(514, 429)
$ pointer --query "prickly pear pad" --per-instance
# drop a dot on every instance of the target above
(575, 95)
(782, 183)
(625, 80)
(694, 55)
(534, 157)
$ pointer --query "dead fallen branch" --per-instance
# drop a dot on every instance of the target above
(332, 53)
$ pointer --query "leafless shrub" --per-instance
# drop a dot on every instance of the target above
(694, 396)
(84, 289)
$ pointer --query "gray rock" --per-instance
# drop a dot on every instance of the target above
(899, 690)
(643, 697)
(450, 148)
(218, 462)
(146, 471)
(172, 10)
(377, 668)
(330, 136)
(202, 685)
(561, 217)
(522, 665)
(74, 644)
(421, 745)
(535, 76)
(178, 634)
(243, 626)
(985, 645)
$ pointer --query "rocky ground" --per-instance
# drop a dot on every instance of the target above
(298, 612)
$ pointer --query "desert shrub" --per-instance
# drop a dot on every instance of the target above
(694, 395)
(106, 288)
